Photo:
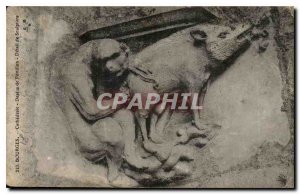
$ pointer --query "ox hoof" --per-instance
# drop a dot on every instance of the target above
(142, 163)
(157, 138)
(150, 146)
(200, 125)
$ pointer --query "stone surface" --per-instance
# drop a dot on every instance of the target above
(252, 102)
(246, 102)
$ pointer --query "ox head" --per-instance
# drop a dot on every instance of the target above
(222, 42)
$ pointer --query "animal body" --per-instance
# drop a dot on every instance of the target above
(186, 61)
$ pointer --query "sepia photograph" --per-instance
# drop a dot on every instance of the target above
(193, 97)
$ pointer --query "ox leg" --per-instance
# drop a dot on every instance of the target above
(196, 113)
(125, 119)
(163, 121)
(153, 133)
(142, 124)
(159, 123)
(149, 146)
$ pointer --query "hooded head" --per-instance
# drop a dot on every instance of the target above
(111, 55)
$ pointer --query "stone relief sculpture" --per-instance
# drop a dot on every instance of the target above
(176, 98)
(164, 67)
(211, 49)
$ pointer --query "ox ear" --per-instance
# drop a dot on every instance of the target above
(199, 35)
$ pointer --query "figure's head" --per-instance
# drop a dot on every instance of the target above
(222, 42)
(111, 55)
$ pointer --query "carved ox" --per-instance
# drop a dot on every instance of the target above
(186, 61)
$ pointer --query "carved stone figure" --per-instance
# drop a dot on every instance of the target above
(96, 67)
(164, 67)
(87, 90)
(210, 48)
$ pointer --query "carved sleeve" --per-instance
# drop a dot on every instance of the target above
(81, 95)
